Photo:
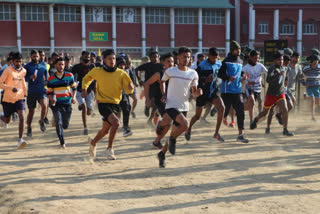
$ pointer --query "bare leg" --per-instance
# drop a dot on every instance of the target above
(30, 117)
(21, 123)
(218, 103)
(105, 128)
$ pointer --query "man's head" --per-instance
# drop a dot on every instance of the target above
(295, 57)
(93, 56)
(154, 57)
(167, 61)
(54, 56)
(67, 60)
(254, 56)
(213, 55)
(184, 56)
(235, 48)
(128, 61)
(200, 58)
(42, 56)
(85, 57)
(278, 59)
(34, 56)
(59, 64)
(121, 63)
(17, 60)
(313, 59)
(286, 60)
(109, 58)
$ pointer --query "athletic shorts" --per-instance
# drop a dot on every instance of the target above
(173, 113)
(270, 100)
(313, 91)
(204, 99)
(250, 92)
(32, 100)
(87, 100)
(160, 106)
(10, 108)
(105, 109)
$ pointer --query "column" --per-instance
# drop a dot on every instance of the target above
(252, 24)
(227, 31)
(143, 33)
(299, 33)
(200, 30)
(51, 18)
(83, 22)
(276, 25)
(237, 20)
(114, 28)
(172, 27)
(18, 27)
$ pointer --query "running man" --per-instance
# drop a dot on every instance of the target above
(208, 81)
(181, 80)
(61, 93)
(294, 72)
(111, 81)
(12, 81)
(37, 78)
(275, 94)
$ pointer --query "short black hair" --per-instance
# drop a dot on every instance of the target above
(286, 58)
(85, 53)
(16, 55)
(153, 53)
(59, 59)
(54, 54)
(120, 60)
(200, 55)
(254, 53)
(213, 52)
(184, 50)
(295, 54)
(33, 52)
(67, 58)
(108, 52)
(165, 56)
(40, 51)
(277, 55)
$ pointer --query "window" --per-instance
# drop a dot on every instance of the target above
(99, 14)
(287, 28)
(309, 28)
(213, 17)
(185, 16)
(7, 12)
(263, 27)
(157, 16)
(128, 15)
(67, 14)
(34, 13)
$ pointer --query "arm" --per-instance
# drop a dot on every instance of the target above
(3, 79)
(153, 79)
(139, 70)
(86, 81)
(127, 84)
(73, 86)
(24, 87)
(222, 74)
(50, 93)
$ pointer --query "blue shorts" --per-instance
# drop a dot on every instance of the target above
(313, 91)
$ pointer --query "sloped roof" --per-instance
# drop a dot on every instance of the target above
(138, 3)
(283, 1)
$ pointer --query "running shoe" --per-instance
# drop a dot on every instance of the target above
(267, 131)
(127, 132)
(21, 144)
(46, 121)
(85, 131)
(110, 154)
(218, 137)
(213, 111)
(232, 125)
(187, 135)
(29, 132)
(172, 145)
(161, 158)
(42, 126)
(287, 133)
(157, 144)
(253, 124)
(242, 139)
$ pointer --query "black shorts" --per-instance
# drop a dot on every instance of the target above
(204, 99)
(10, 108)
(32, 99)
(160, 106)
(105, 109)
(250, 92)
(173, 113)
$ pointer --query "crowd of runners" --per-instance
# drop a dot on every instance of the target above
(170, 82)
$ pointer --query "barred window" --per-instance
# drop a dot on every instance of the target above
(128, 15)
(157, 16)
(7, 12)
(34, 13)
(287, 28)
(67, 14)
(185, 16)
(263, 27)
(309, 28)
(213, 17)
(99, 14)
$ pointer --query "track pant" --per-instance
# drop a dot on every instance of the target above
(236, 101)
(61, 114)
(126, 108)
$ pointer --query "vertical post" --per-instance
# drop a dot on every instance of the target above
(299, 33)
(200, 30)
(237, 19)
(276, 25)
(252, 23)
(51, 18)
(172, 27)
(18, 27)
(227, 30)
(143, 33)
(83, 22)
(114, 28)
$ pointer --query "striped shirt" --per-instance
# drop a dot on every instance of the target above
(312, 75)
(61, 87)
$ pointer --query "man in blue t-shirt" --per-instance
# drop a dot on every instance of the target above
(37, 77)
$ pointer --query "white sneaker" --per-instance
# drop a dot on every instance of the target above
(22, 144)
(92, 149)
(110, 154)
(126, 133)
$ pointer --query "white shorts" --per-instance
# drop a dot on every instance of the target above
(87, 100)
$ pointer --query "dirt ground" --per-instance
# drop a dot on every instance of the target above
(271, 174)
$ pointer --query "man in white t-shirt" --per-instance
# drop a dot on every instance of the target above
(181, 79)
(254, 70)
